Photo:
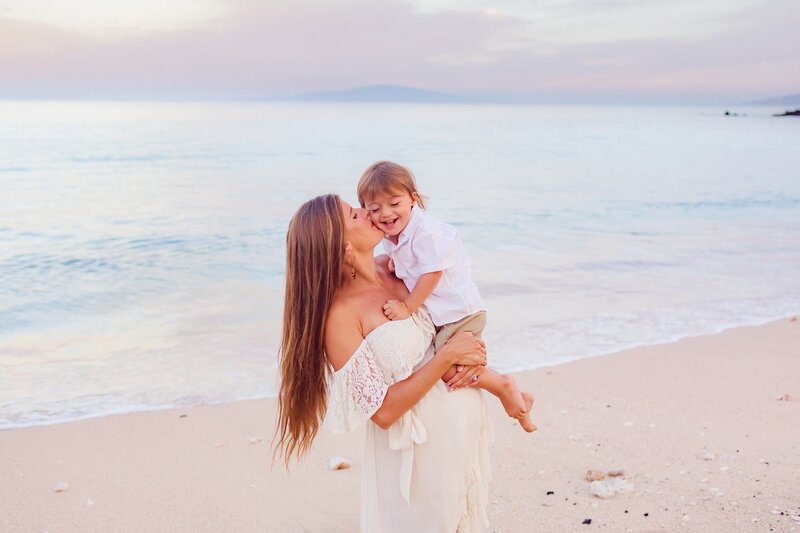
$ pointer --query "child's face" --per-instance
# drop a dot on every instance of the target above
(391, 211)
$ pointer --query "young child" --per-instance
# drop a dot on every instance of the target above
(432, 262)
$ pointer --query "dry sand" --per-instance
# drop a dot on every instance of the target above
(657, 412)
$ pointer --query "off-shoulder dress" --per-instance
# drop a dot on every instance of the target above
(429, 471)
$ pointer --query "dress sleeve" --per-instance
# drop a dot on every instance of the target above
(356, 391)
(435, 248)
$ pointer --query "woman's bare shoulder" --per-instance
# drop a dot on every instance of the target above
(342, 332)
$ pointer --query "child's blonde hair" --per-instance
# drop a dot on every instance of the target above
(385, 176)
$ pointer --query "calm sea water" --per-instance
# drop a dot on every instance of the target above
(141, 244)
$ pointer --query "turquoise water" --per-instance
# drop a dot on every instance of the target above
(141, 244)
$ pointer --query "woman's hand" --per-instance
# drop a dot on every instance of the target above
(466, 376)
(465, 349)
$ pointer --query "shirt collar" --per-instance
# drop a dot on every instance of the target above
(415, 220)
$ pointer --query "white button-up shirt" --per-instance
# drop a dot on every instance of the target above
(428, 245)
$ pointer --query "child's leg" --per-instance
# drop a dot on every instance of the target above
(516, 403)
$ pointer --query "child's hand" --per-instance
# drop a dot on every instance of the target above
(391, 266)
(396, 310)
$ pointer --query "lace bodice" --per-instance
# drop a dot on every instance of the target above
(387, 355)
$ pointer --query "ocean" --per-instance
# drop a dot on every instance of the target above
(142, 243)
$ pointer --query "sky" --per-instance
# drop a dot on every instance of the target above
(616, 51)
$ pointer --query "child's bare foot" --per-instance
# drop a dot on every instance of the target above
(525, 420)
(517, 404)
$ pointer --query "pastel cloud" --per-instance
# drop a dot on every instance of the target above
(268, 48)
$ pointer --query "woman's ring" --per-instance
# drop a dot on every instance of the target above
(474, 378)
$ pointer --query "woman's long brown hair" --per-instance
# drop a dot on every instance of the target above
(315, 246)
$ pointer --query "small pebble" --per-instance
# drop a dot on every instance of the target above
(616, 473)
(61, 487)
(587, 521)
(785, 398)
(709, 456)
(550, 493)
(685, 518)
(647, 514)
(594, 475)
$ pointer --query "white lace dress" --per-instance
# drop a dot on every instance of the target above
(429, 471)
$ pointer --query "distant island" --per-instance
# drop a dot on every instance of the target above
(789, 100)
(795, 113)
(379, 93)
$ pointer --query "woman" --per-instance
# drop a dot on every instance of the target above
(426, 464)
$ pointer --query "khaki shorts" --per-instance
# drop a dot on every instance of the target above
(473, 323)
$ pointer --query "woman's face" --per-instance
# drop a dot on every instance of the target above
(361, 233)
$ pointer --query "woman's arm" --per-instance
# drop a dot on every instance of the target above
(343, 336)
(463, 348)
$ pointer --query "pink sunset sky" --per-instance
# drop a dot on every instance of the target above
(670, 51)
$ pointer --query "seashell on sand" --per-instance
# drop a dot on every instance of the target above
(338, 463)
(608, 488)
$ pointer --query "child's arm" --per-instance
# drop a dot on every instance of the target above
(402, 309)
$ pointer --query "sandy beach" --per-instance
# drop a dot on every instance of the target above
(701, 427)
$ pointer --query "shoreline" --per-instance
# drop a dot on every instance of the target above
(513, 370)
(696, 425)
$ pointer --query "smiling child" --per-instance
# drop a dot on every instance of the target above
(431, 260)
